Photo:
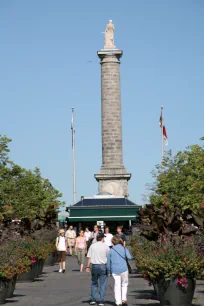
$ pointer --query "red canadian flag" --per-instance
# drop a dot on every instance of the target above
(162, 125)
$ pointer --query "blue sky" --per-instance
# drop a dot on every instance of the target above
(45, 49)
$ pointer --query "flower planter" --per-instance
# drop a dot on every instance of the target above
(11, 287)
(156, 289)
(55, 257)
(50, 260)
(3, 290)
(36, 269)
(41, 264)
(27, 276)
(172, 293)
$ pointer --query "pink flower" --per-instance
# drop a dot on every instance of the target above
(182, 282)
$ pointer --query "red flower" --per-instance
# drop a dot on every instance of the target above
(185, 259)
(164, 196)
(202, 206)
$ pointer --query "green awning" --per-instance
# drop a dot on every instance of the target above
(78, 214)
(96, 218)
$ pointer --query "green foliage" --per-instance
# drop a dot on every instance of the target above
(182, 181)
(23, 193)
(4, 150)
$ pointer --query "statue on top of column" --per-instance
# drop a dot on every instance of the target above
(109, 36)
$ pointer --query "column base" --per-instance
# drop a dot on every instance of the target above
(113, 181)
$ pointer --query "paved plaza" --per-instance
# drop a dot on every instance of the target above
(73, 289)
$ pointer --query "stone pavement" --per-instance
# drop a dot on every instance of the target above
(73, 289)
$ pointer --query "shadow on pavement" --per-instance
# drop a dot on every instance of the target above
(38, 280)
(135, 276)
(75, 270)
(144, 294)
(106, 302)
(149, 304)
(143, 291)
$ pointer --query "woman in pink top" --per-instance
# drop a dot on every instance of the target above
(80, 249)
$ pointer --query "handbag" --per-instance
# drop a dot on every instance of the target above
(126, 259)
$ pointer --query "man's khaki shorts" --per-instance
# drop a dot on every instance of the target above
(71, 242)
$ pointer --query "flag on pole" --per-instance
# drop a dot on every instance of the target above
(162, 125)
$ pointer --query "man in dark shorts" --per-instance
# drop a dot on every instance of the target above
(121, 235)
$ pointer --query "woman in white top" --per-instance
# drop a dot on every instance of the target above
(108, 237)
(61, 245)
(87, 234)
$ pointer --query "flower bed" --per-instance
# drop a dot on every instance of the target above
(22, 257)
(180, 260)
(177, 264)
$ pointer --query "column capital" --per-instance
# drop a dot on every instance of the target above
(106, 53)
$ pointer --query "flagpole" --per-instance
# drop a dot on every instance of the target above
(162, 139)
(73, 157)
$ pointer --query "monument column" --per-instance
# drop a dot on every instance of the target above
(113, 177)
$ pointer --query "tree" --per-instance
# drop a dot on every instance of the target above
(24, 193)
(181, 184)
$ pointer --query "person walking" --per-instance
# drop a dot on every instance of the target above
(121, 235)
(97, 257)
(108, 237)
(61, 246)
(95, 233)
(80, 249)
(88, 237)
(71, 237)
(117, 266)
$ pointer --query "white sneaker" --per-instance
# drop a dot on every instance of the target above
(60, 270)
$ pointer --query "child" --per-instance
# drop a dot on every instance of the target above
(61, 245)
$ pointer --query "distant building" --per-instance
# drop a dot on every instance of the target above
(103, 209)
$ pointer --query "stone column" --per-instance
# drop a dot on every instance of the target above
(113, 177)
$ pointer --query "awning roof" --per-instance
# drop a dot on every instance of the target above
(105, 202)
